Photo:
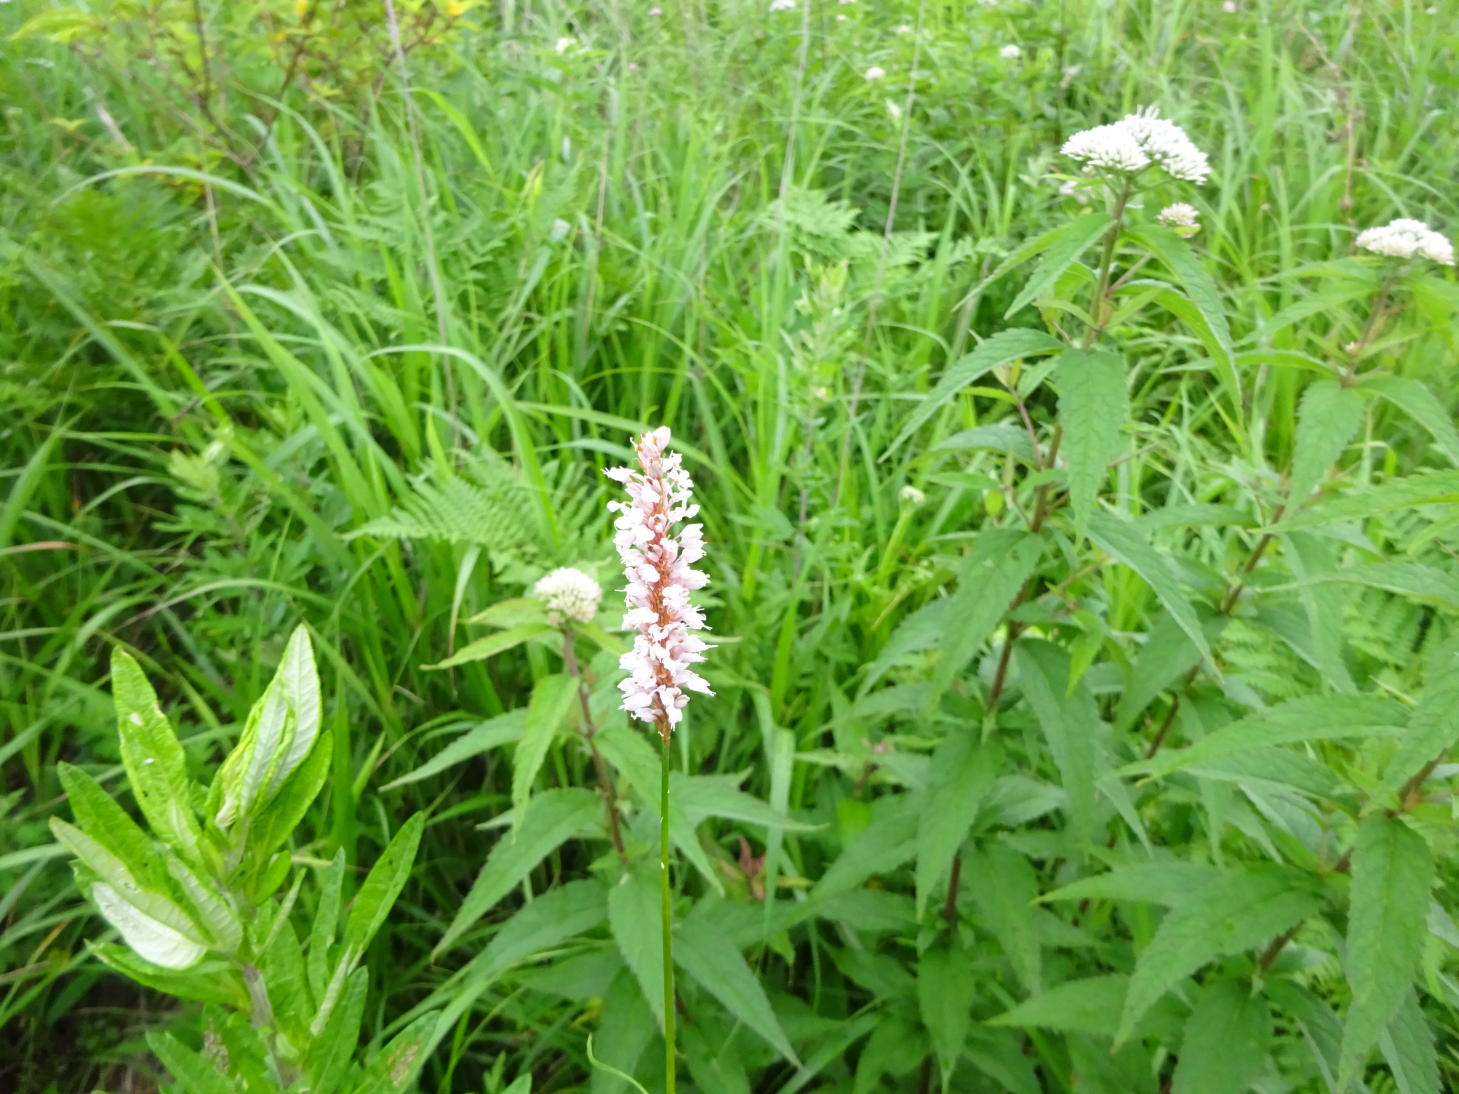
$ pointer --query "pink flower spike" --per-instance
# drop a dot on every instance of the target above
(659, 575)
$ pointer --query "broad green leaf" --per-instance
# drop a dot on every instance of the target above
(382, 885)
(1076, 1006)
(1064, 247)
(962, 774)
(1393, 874)
(163, 943)
(1005, 888)
(1168, 883)
(330, 1055)
(1422, 488)
(1425, 584)
(552, 698)
(153, 757)
(275, 822)
(240, 782)
(281, 965)
(195, 1072)
(1002, 437)
(1225, 1041)
(1120, 539)
(1239, 911)
(209, 907)
(62, 25)
(298, 678)
(553, 817)
(493, 644)
(1415, 399)
(633, 915)
(1433, 728)
(1309, 718)
(1191, 272)
(1093, 407)
(326, 923)
(482, 737)
(1166, 655)
(395, 1067)
(945, 986)
(722, 971)
(211, 980)
(101, 818)
(988, 581)
(923, 629)
(705, 796)
(885, 844)
(1327, 419)
(1408, 1048)
(995, 350)
(1070, 723)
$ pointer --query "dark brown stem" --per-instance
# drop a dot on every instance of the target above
(949, 910)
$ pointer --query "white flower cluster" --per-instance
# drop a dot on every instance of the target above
(1183, 218)
(1135, 142)
(782, 5)
(660, 579)
(875, 72)
(1010, 52)
(570, 594)
(1404, 238)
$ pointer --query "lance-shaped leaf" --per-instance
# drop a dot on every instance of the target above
(1327, 419)
(1064, 246)
(1093, 406)
(153, 757)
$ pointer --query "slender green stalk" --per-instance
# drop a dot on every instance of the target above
(666, 918)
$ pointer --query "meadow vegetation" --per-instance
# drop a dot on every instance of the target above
(1083, 580)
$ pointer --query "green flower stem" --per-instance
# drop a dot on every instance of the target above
(666, 915)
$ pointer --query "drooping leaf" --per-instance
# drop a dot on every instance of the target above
(1116, 536)
(1182, 261)
(1414, 398)
(995, 350)
(1225, 1041)
(552, 698)
(1093, 407)
(963, 772)
(883, 845)
(1005, 887)
(1433, 728)
(1327, 419)
(382, 885)
(722, 971)
(1238, 911)
(482, 737)
(988, 581)
(1393, 873)
(633, 915)
(165, 943)
(1168, 883)
(1408, 1048)
(1070, 724)
(1421, 488)
(945, 986)
(553, 816)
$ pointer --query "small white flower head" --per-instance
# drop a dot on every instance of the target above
(1229, 7)
(845, 1)
(1406, 238)
(903, 28)
(911, 497)
(875, 72)
(1077, 189)
(782, 5)
(1010, 52)
(1183, 218)
(1135, 142)
(562, 45)
(655, 11)
(568, 594)
(659, 569)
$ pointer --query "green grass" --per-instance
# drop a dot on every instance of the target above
(502, 262)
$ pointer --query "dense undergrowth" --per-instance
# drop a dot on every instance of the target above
(1087, 663)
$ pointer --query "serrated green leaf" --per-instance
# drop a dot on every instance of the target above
(1077, 1006)
(1422, 488)
(1238, 911)
(1168, 883)
(1005, 888)
(382, 885)
(101, 818)
(1093, 406)
(995, 350)
(330, 1055)
(633, 915)
(154, 760)
(276, 821)
(1064, 246)
(988, 581)
(1433, 728)
(704, 796)
(1415, 399)
(1225, 1041)
(945, 986)
(1408, 1048)
(1327, 419)
(1070, 723)
(1393, 873)
(963, 771)
(553, 817)
(1121, 540)
(552, 698)
(1201, 289)
(493, 644)
(197, 1075)
(722, 971)
(883, 845)
(1308, 718)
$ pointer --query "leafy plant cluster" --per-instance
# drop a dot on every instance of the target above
(1084, 590)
